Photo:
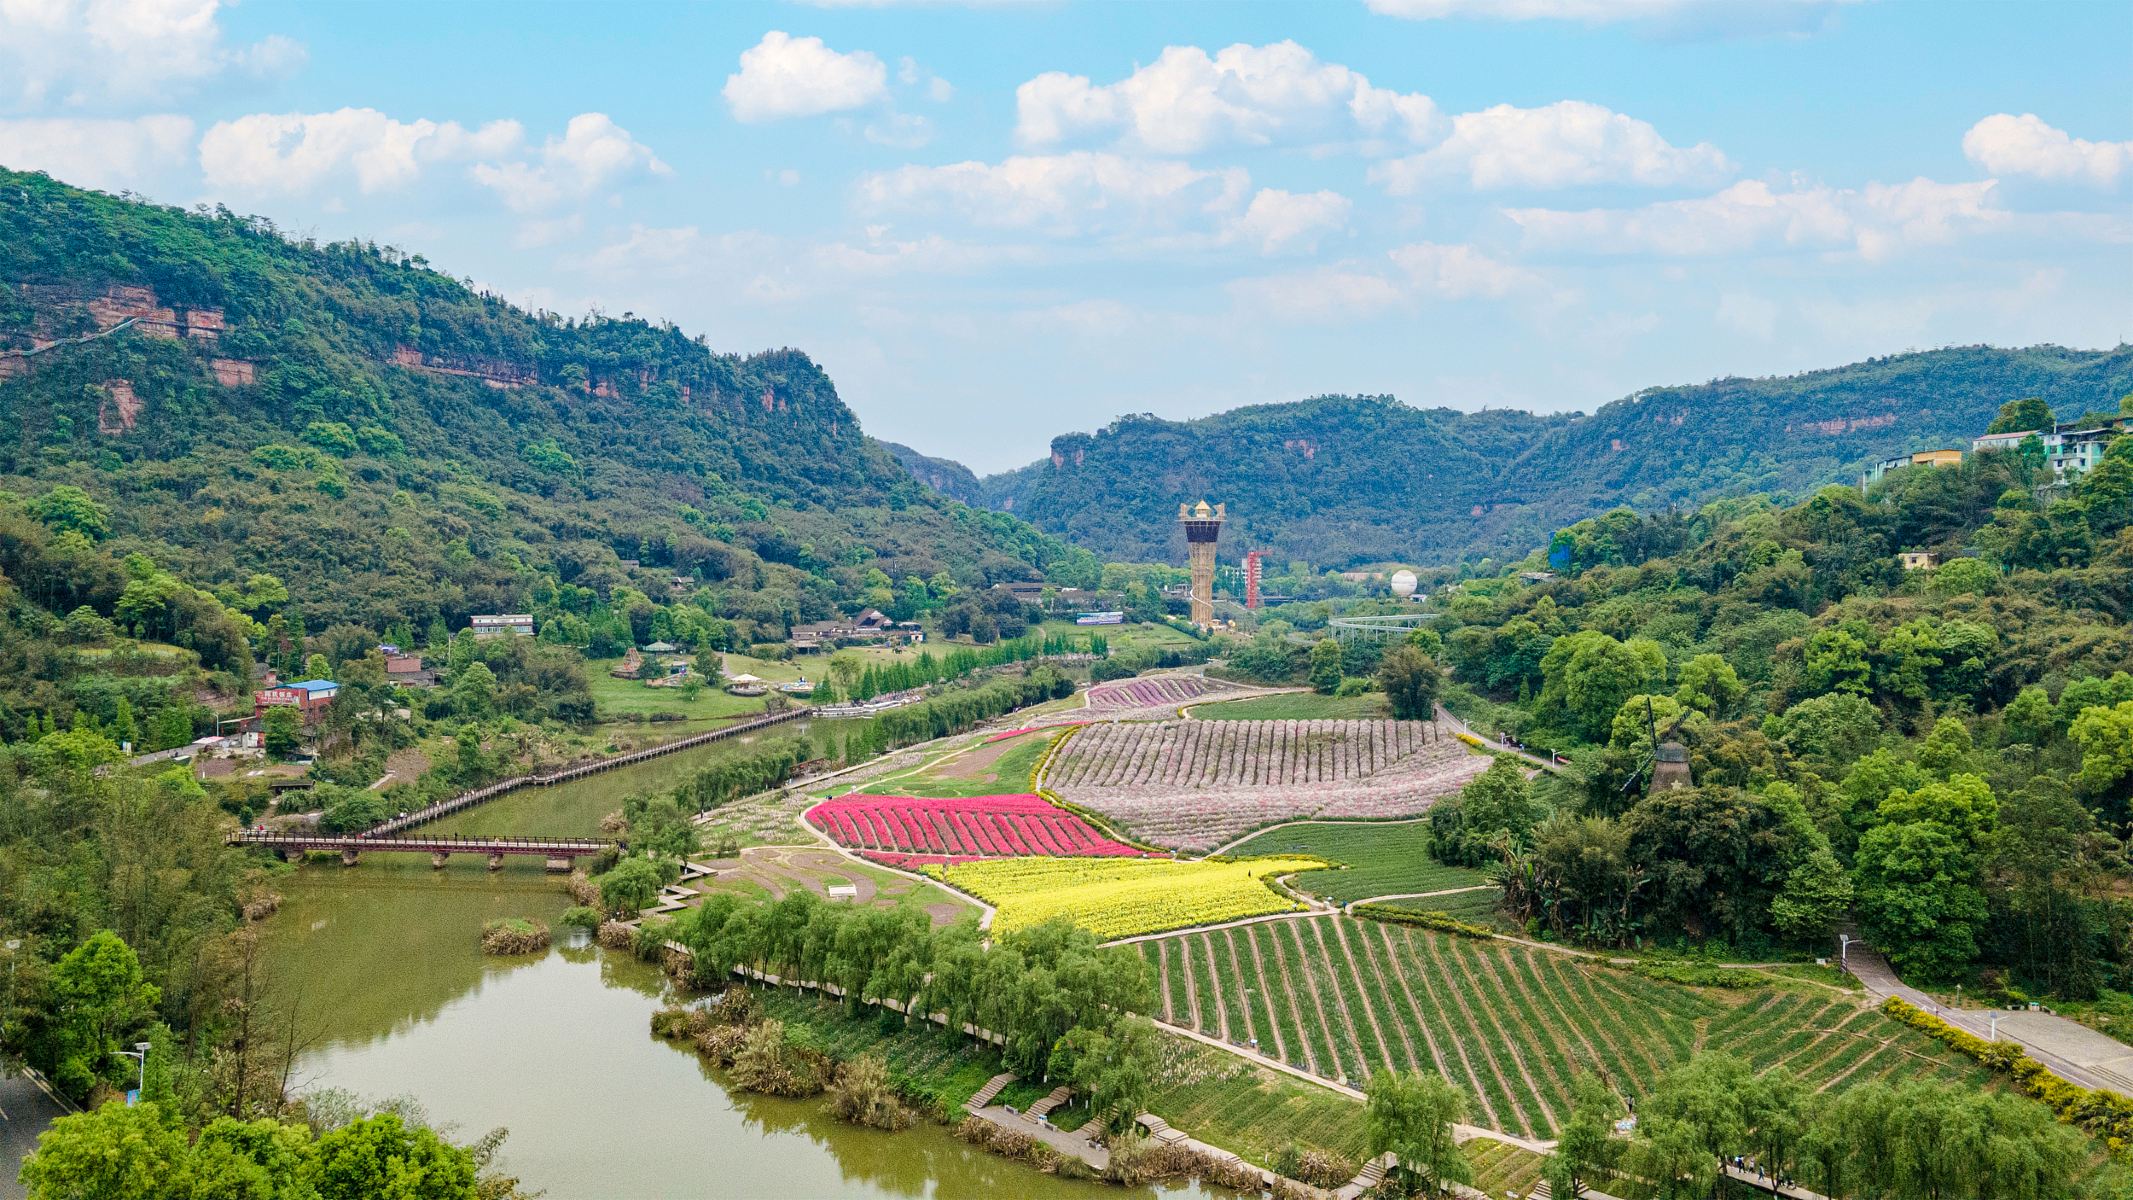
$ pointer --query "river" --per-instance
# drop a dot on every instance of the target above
(558, 1049)
(574, 809)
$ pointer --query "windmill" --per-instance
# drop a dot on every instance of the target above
(1667, 760)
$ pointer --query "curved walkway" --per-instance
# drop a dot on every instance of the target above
(1450, 718)
(1349, 908)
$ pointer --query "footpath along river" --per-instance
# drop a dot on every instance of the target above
(558, 1048)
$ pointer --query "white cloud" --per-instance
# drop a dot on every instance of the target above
(298, 152)
(94, 152)
(1276, 220)
(1751, 217)
(592, 153)
(784, 76)
(295, 153)
(1320, 294)
(904, 131)
(1408, 276)
(92, 52)
(2009, 145)
(1567, 143)
(1060, 194)
(1746, 313)
(1457, 272)
(1676, 16)
(1187, 101)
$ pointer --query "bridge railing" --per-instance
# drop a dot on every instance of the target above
(457, 841)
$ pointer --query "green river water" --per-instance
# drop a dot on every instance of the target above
(558, 1047)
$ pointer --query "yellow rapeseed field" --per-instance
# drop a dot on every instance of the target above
(1121, 897)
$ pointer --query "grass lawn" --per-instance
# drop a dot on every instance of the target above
(924, 1059)
(1000, 768)
(1226, 1101)
(1383, 857)
(621, 699)
(1296, 706)
(1125, 637)
(1501, 1168)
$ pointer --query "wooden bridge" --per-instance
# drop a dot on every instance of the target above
(561, 853)
(466, 800)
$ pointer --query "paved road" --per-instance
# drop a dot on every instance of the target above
(24, 1112)
(2097, 1062)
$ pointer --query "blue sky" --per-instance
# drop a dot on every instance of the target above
(996, 222)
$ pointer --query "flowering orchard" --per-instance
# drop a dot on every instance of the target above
(1195, 785)
(1155, 691)
(1122, 897)
(896, 828)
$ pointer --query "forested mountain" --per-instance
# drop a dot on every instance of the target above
(1337, 480)
(398, 447)
(946, 476)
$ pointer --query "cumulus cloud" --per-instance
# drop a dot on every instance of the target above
(1147, 204)
(1276, 220)
(96, 152)
(1187, 101)
(784, 76)
(294, 153)
(1084, 192)
(592, 153)
(299, 152)
(1753, 217)
(1407, 276)
(94, 52)
(2009, 145)
(1458, 272)
(1671, 16)
(1571, 142)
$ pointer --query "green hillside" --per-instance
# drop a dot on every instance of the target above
(1336, 480)
(396, 446)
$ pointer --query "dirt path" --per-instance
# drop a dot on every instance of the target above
(1349, 908)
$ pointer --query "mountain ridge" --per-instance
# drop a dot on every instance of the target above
(1322, 479)
(343, 415)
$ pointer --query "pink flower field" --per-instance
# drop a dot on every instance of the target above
(908, 831)
(1154, 691)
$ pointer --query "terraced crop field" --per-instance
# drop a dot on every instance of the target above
(1381, 858)
(1197, 784)
(1154, 691)
(1122, 897)
(905, 831)
(1343, 997)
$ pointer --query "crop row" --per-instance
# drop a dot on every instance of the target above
(1123, 897)
(1154, 691)
(1343, 998)
(1210, 754)
(978, 826)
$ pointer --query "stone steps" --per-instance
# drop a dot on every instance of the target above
(992, 1088)
(1059, 1095)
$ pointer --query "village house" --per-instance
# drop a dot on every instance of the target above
(500, 625)
(869, 627)
(309, 698)
(407, 670)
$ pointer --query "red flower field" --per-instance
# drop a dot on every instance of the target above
(910, 831)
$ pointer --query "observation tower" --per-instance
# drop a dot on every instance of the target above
(1203, 527)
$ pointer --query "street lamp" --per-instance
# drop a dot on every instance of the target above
(13, 944)
(139, 1051)
(1844, 946)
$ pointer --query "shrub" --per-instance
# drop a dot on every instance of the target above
(514, 935)
(1442, 921)
(863, 1095)
(581, 917)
